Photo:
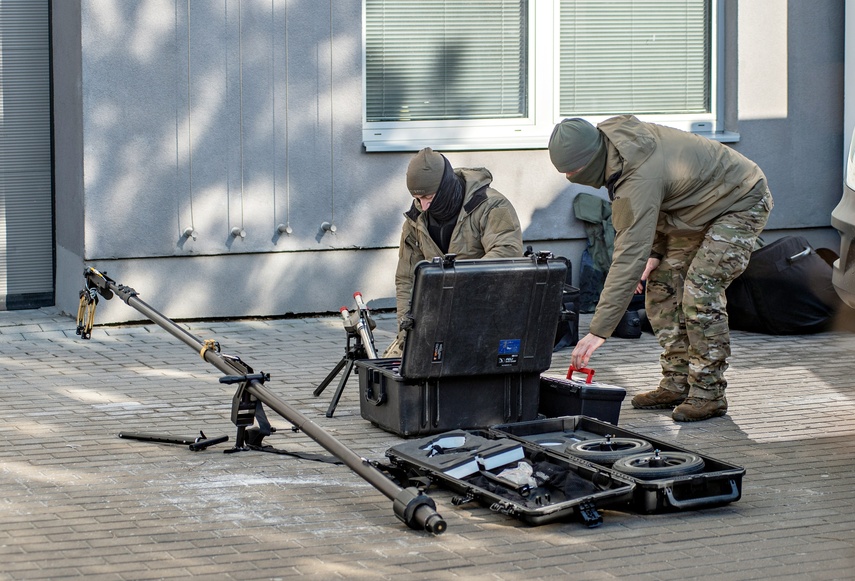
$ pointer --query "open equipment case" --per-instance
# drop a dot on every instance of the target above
(513, 477)
(666, 477)
(575, 465)
(481, 333)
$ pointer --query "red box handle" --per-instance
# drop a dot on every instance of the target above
(589, 372)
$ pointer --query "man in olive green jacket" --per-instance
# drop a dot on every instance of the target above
(686, 211)
(454, 211)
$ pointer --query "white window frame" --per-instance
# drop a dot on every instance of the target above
(533, 132)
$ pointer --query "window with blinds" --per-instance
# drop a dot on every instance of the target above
(26, 212)
(634, 56)
(498, 74)
(445, 59)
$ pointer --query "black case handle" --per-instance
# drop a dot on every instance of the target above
(369, 394)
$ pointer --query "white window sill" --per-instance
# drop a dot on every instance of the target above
(458, 144)
(722, 136)
(509, 143)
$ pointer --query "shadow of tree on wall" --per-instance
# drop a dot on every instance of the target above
(214, 117)
(221, 116)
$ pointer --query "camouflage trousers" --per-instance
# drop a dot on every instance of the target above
(686, 304)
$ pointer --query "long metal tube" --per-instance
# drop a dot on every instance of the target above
(411, 506)
(362, 327)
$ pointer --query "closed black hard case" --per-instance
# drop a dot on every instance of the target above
(472, 464)
(569, 396)
(718, 483)
(416, 407)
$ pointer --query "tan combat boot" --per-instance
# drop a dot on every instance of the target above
(695, 409)
(659, 399)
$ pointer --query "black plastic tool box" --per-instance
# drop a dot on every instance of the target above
(566, 396)
(710, 482)
(482, 332)
(513, 477)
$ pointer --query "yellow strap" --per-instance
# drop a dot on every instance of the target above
(209, 344)
(90, 321)
(86, 314)
(80, 310)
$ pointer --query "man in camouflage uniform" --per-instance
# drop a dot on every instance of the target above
(687, 212)
(454, 211)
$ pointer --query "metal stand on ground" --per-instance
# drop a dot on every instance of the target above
(410, 505)
(360, 345)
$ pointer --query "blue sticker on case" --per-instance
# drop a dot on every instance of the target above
(509, 346)
(509, 350)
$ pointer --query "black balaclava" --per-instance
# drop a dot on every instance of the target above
(445, 207)
(449, 197)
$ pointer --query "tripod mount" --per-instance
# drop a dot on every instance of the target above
(360, 345)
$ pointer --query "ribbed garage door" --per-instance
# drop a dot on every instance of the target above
(26, 224)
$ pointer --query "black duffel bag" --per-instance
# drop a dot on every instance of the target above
(785, 290)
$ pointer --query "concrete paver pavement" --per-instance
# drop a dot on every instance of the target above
(77, 501)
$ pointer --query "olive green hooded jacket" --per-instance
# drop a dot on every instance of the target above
(663, 181)
(487, 227)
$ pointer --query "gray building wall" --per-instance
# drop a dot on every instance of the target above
(68, 146)
(848, 79)
(248, 116)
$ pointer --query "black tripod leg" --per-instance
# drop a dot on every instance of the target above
(203, 444)
(340, 388)
(323, 385)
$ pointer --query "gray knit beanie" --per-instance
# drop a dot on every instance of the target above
(424, 173)
(573, 144)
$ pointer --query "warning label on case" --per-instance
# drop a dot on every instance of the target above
(509, 352)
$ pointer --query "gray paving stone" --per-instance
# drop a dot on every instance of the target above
(77, 501)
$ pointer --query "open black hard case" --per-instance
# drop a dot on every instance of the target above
(416, 407)
(483, 317)
(487, 469)
(717, 483)
(482, 332)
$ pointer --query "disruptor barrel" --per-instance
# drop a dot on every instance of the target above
(410, 505)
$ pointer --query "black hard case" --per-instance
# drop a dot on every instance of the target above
(416, 407)
(482, 332)
(566, 396)
(717, 484)
(590, 486)
(483, 317)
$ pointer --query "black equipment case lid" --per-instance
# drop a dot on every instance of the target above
(484, 316)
